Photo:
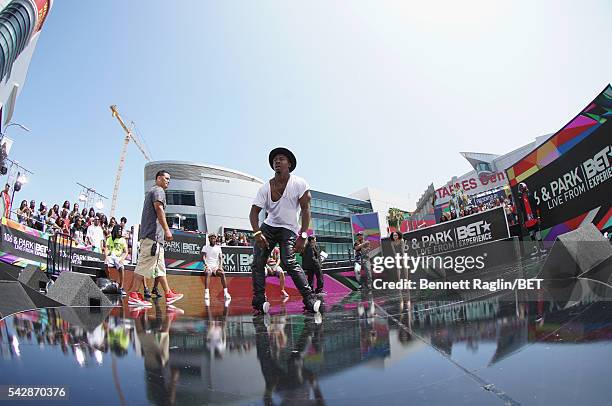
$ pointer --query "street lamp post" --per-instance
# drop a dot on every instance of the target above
(23, 127)
(3, 152)
(21, 179)
(179, 217)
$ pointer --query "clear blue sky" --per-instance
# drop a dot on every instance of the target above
(384, 94)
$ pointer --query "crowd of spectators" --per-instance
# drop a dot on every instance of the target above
(506, 203)
(234, 239)
(87, 227)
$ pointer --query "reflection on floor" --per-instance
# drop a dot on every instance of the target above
(511, 347)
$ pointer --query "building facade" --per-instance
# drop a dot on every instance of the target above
(331, 222)
(205, 198)
(487, 176)
(20, 25)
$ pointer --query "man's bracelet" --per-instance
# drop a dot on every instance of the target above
(256, 233)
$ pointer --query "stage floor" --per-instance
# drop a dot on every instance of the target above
(550, 346)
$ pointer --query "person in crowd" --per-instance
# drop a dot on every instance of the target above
(509, 210)
(123, 224)
(41, 217)
(5, 201)
(112, 222)
(154, 231)
(273, 268)
(529, 215)
(74, 212)
(32, 211)
(51, 221)
(66, 205)
(398, 247)
(116, 251)
(65, 214)
(23, 213)
(231, 240)
(95, 235)
(92, 213)
(213, 261)
(311, 262)
(362, 259)
(443, 218)
(453, 215)
(242, 240)
(77, 232)
(64, 225)
(84, 214)
(282, 197)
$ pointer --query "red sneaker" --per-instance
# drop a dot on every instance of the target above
(136, 299)
(172, 297)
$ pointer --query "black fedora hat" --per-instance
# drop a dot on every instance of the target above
(285, 152)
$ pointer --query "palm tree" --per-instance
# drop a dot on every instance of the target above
(395, 217)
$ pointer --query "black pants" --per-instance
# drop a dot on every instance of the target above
(311, 273)
(286, 241)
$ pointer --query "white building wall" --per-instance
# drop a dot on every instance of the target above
(227, 202)
(220, 201)
(381, 203)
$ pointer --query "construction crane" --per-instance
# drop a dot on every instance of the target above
(128, 136)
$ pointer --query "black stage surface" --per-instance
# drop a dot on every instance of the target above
(550, 346)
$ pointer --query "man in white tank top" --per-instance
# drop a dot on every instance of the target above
(282, 198)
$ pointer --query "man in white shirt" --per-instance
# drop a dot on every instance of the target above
(282, 198)
(95, 235)
(213, 261)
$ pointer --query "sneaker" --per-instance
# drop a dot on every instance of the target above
(227, 296)
(147, 293)
(227, 302)
(316, 304)
(136, 299)
(172, 296)
(265, 307)
(206, 302)
(284, 293)
(206, 294)
(156, 292)
(318, 319)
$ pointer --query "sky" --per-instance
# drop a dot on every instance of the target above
(382, 94)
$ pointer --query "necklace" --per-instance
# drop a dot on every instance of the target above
(276, 191)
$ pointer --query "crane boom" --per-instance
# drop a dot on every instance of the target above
(128, 136)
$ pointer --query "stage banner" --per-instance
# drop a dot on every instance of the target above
(368, 224)
(488, 198)
(21, 245)
(475, 229)
(184, 251)
(237, 259)
(570, 175)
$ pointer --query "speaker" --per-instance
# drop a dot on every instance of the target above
(575, 253)
(13, 298)
(33, 277)
(77, 289)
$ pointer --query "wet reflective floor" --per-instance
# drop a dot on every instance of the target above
(550, 346)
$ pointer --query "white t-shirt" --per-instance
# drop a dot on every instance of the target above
(96, 235)
(212, 255)
(283, 213)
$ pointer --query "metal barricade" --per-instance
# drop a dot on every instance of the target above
(59, 254)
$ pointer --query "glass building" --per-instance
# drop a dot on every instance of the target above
(331, 222)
